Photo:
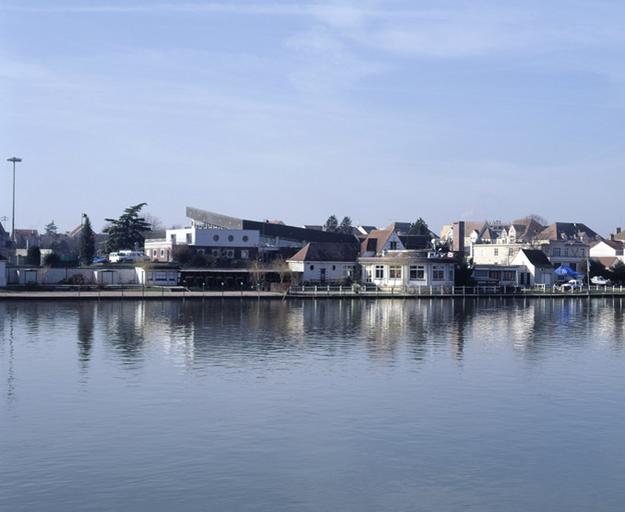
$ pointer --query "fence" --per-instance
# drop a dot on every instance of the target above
(449, 291)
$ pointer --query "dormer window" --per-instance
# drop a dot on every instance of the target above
(393, 245)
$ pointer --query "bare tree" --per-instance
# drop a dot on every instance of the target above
(155, 222)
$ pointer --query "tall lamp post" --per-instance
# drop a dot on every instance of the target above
(14, 160)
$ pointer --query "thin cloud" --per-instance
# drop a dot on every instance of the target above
(183, 8)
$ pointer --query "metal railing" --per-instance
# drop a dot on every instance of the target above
(450, 291)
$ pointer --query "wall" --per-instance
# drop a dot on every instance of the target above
(603, 250)
(58, 275)
(106, 276)
(573, 254)
(405, 280)
(157, 276)
(496, 254)
(3, 273)
(336, 271)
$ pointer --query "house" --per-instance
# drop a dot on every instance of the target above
(567, 243)
(25, 238)
(319, 262)
(608, 248)
(536, 269)
(228, 244)
(398, 268)
(230, 238)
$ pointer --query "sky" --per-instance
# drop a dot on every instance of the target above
(380, 110)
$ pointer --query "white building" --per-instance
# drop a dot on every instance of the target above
(536, 268)
(319, 262)
(607, 249)
(408, 269)
(215, 242)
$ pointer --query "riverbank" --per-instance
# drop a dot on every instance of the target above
(183, 294)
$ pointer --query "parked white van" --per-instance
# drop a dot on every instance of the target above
(127, 256)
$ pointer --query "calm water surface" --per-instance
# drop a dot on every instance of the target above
(313, 406)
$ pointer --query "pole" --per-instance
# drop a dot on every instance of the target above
(13, 160)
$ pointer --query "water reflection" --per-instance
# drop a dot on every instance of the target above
(195, 334)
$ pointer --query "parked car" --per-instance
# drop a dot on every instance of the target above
(600, 281)
(573, 284)
(127, 256)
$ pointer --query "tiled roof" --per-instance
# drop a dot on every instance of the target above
(614, 244)
(375, 241)
(608, 261)
(567, 231)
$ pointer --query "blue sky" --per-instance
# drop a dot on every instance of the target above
(294, 110)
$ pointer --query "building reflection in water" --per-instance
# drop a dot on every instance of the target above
(231, 332)
(197, 335)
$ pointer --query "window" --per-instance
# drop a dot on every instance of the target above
(245, 254)
(216, 253)
(245, 238)
(379, 271)
(162, 252)
(333, 267)
(312, 267)
(216, 238)
(393, 246)
(394, 272)
(172, 238)
(417, 272)
(229, 253)
(438, 273)
(496, 251)
(230, 238)
(566, 251)
(368, 275)
(509, 275)
(189, 238)
(555, 251)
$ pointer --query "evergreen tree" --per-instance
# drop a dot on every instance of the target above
(419, 227)
(346, 226)
(50, 229)
(332, 224)
(87, 242)
(127, 232)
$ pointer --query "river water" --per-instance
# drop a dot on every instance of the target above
(325, 405)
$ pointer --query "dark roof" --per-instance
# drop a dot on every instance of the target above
(537, 258)
(267, 228)
(400, 227)
(615, 244)
(412, 242)
(320, 251)
(567, 231)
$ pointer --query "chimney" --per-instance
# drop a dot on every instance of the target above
(618, 230)
(458, 240)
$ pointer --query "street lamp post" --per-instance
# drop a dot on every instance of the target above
(14, 160)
